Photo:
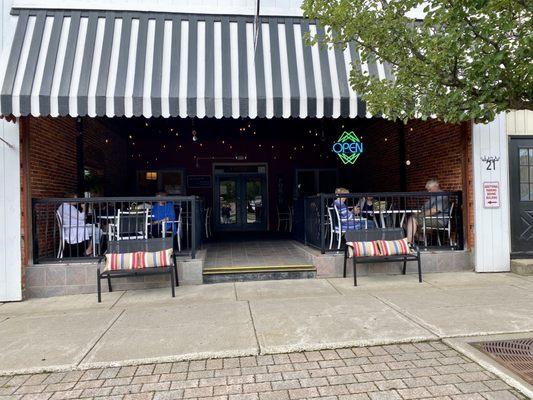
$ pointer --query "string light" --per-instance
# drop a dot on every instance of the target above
(131, 137)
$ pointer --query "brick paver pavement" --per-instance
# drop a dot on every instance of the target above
(428, 370)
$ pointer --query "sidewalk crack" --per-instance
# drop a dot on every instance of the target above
(406, 315)
(100, 337)
(254, 328)
(335, 288)
(118, 299)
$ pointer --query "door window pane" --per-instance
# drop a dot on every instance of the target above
(523, 157)
(524, 192)
(524, 176)
(254, 201)
(228, 202)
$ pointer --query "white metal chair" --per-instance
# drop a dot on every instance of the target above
(334, 228)
(447, 226)
(179, 229)
(208, 212)
(131, 225)
(337, 230)
(61, 246)
(285, 218)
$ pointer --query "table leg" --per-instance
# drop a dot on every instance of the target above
(382, 218)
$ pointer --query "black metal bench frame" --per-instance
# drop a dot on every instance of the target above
(368, 235)
(138, 245)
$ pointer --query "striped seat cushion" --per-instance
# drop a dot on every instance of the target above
(393, 247)
(117, 262)
(363, 249)
(155, 259)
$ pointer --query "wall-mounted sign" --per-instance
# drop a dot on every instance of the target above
(491, 162)
(348, 147)
(199, 181)
(491, 194)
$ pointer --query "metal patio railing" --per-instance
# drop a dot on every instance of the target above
(438, 216)
(68, 229)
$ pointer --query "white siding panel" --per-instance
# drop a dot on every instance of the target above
(10, 256)
(492, 226)
(520, 122)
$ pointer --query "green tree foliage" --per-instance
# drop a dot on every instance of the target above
(467, 59)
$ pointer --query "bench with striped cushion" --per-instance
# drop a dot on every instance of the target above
(379, 245)
(138, 257)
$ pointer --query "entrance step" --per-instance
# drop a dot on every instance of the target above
(522, 267)
(258, 273)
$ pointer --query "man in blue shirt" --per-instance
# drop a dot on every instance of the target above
(163, 214)
(350, 219)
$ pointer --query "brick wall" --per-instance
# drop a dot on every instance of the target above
(49, 161)
(377, 169)
(106, 150)
(435, 150)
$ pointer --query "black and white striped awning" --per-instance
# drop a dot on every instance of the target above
(152, 64)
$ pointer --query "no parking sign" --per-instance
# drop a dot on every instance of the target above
(491, 194)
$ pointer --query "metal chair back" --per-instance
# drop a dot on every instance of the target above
(132, 225)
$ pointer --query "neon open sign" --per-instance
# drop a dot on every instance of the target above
(348, 147)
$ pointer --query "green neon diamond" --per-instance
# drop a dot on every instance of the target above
(349, 137)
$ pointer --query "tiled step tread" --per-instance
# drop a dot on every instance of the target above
(258, 269)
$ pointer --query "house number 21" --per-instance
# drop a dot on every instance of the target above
(490, 161)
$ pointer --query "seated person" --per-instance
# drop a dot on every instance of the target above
(163, 216)
(76, 233)
(366, 205)
(437, 207)
(350, 219)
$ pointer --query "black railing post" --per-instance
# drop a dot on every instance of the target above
(35, 239)
(460, 221)
(193, 227)
(305, 219)
(322, 227)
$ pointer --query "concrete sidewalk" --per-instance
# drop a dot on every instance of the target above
(229, 320)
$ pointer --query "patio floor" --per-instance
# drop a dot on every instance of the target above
(248, 318)
(253, 253)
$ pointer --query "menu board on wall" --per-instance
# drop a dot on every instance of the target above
(199, 181)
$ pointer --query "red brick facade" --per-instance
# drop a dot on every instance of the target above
(433, 149)
(49, 160)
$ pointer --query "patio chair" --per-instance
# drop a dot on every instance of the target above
(124, 266)
(334, 228)
(131, 225)
(447, 226)
(61, 246)
(338, 226)
(176, 228)
(208, 212)
(284, 218)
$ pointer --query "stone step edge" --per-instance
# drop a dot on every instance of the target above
(258, 268)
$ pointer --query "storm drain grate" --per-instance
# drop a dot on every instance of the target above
(515, 355)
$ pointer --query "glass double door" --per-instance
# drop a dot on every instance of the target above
(240, 202)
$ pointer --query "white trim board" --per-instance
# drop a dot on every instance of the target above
(492, 225)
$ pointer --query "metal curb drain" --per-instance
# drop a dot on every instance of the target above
(515, 355)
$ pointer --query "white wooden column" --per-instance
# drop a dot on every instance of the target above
(10, 218)
(491, 224)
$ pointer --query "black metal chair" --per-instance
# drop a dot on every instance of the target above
(138, 245)
(379, 234)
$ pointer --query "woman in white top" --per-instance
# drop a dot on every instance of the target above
(75, 230)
